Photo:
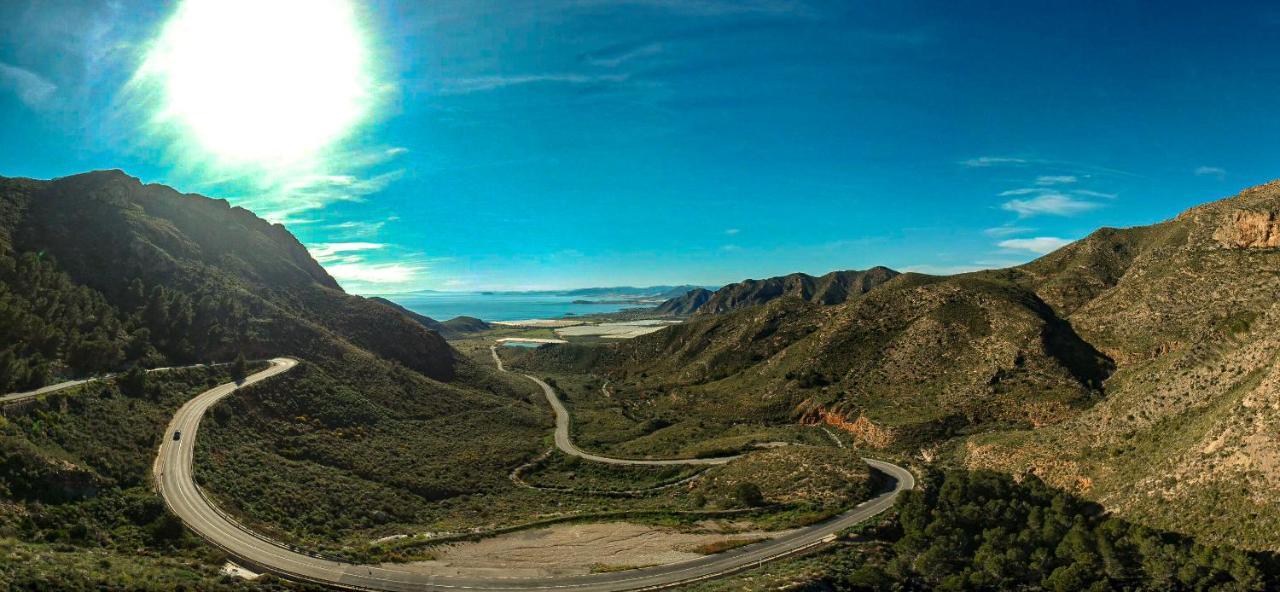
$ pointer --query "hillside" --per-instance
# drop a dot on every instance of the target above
(99, 272)
(187, 278)
(836, 287)
(685, 304)
(1186, 434)
(1136, 366)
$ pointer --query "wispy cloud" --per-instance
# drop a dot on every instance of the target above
(1006, 230)
(615, 58)
(462, 86)
(357, 276)
(335, 252)
(350, 264)
(358, 228)
(31, 88)
(1056, 204)
(990, 161)
(1040, 244)
(1021, 191)
(732, 231)
(292, 196)
(1062, 169)
(709, 8)
(1056, 179)
(1211, 171)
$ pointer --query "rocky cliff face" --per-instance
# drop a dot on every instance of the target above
(1249, 230)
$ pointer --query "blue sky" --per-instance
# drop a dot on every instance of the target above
(570, 143)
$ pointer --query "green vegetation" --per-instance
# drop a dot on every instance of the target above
(984, 531)
(75, 469)
(748, 494)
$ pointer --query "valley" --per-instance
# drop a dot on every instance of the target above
(787, 422)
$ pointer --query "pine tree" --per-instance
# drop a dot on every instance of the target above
(239, 368)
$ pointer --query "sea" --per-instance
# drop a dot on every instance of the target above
(501, 306)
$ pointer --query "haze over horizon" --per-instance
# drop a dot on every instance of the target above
(568, 144)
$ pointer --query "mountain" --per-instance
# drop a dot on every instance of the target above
(1139, 367)
(451, 329)
(99, 272)
(833, 288)
(686, 303)
(185, 278)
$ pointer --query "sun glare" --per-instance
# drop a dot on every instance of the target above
(263, 80)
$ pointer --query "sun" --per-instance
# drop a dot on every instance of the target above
(262, 80)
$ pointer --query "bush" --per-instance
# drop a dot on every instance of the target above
(748, 494)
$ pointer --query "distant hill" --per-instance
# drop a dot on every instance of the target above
(451, 329)
(833, 288)
(686, 303)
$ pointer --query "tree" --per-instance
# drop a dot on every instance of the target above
(134, 382)
(748, 494)
(239, 368)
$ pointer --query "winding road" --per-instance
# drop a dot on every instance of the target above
(565, 443)
(175, 481)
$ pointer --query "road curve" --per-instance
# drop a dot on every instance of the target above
(174, 479)
(566, 445)
(61, 386)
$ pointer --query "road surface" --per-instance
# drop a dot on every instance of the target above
(174, 478)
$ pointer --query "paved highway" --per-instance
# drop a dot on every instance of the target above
(173, 474)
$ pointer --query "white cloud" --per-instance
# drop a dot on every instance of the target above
(1211, 171)
(1022, 191)
(33, 89)
(1055, 179)
(732, 231)
(990, 161)
(330, 252)
(315, 191)
(1055, 204)
(1006, 230)
(1039, 244)
(374, 273)
(1088, 193)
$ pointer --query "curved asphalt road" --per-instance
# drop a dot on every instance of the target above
(565, 444)
(173, 473)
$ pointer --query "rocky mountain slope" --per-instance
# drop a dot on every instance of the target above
(1136, 366)
(1186, 436)
(833, 288)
